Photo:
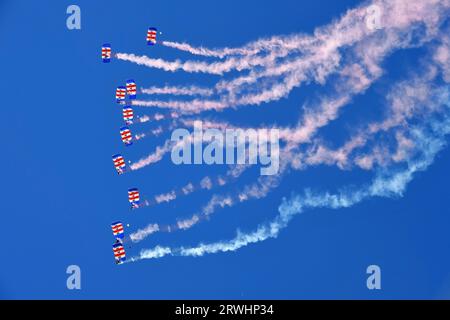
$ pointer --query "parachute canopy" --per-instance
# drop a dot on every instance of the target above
(106, 53)
(151, 36)
(117, 229)
(126, 136)
(119, 252)
(119, 163)
(131, 89)
(128, 115)
(133, 197)
(120, 94)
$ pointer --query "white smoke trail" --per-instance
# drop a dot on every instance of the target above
(409, 99)
(161, 151)
(254, 191)
(352, 80)
(206, 183)
(350, 27)
(217, 53)
(158, 117)
(299, 42)
(405, 101)
(251, 49)
(153, 157)
(154, 132)
(179, 91)
(166, 197)
(137, 236)
(313, 120)
(371, 63)
(368, 46)
(257, 190)
(385, 184)
(217, 68)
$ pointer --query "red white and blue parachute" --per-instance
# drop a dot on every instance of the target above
(126, 136)
(133, 197)
(131, 89)
(119, 252)
(151, 36)
(128, 115)
(106, 53)
(119, 163)
(120, 94)
(117, 229)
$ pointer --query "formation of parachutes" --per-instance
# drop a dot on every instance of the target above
(119, 251)
(391, 144)
(339, 62)
(124, 94)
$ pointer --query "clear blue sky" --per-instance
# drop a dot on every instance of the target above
(59, 191)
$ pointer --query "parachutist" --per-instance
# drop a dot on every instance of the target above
(151, 36)
(106, 53)
(119, 163)
(127, 137)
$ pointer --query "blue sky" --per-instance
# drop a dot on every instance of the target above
(60, 192)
